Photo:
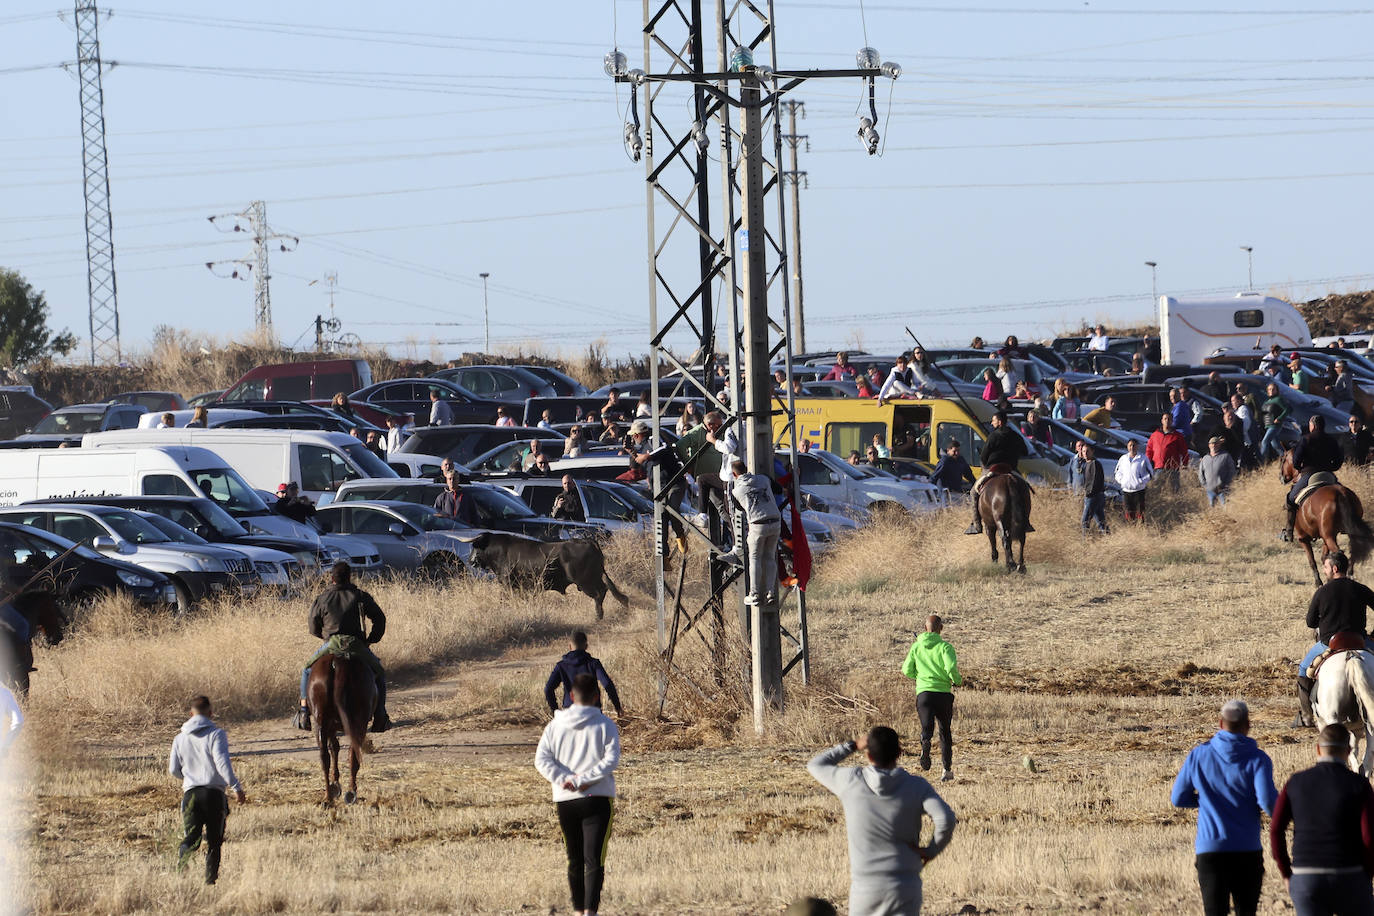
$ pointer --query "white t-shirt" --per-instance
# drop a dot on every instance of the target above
(1098, 342)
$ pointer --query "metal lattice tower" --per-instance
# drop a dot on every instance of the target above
(797, 179)
(100, 272)
(746, 250)
(255, 216)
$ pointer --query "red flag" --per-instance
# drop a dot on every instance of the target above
(801, 551)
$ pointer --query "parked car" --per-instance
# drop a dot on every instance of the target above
(301, 381)
(511, 384)
(204, 398)
(69, 424)
(292, 409)
(464, 441)
(273, 568)
(195, 571)
(835, 486)
(604, 506)
(412, 395)
(76, 573)
(152, 400)
(20, 410)
(497, 508)
(564, 385)
(575, 409)
(408, 536)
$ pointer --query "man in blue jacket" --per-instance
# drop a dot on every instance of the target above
(1229, 780)
(575, 662)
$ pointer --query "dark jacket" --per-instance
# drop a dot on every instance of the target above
(953, 473)
(570, 666)
(1093, 482)
(340, 609)
(1339, 607)
(1357, 447)
(457, 506)
(1317, 452)
(567, 506)
(1331, 808)
(1004, 446)
(1340, 390)
(298, 509)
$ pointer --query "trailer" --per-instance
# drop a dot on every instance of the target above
(1190, 330)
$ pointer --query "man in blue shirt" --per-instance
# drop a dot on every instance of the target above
(1181, 412)
(1229, 780)
(578, 661)
(953, 472)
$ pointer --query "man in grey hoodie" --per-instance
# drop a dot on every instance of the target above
(754, 493)
(883, 805)
(1215, 472)
(578, 754)
(200, 759)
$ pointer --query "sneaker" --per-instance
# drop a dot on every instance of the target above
(946, 776)
(925, 761)
(751, 600)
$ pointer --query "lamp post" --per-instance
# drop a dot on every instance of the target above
(486, 312)
(1154, 286)
(1250, 267)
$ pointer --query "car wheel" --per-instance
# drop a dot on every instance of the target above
(442, 567)
(184, 600)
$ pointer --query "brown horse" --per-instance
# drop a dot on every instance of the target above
(342, 694)
(40, 610)
(1330, 511)
(1005, 506)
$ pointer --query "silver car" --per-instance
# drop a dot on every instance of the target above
(407, 535)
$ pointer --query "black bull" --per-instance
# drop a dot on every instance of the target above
(550, 565)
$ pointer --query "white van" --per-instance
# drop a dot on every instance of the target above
(317, 461)
(1190, 330)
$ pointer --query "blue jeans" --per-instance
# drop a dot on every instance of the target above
(1332, 895)
(1271, 443)
(1216, 499)
(1095, 507)
(1318, 649)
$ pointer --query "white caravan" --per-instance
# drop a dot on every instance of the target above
(1190, 330)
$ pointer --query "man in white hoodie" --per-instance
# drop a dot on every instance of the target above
(578, 754)
(200, 759)
(883, 806)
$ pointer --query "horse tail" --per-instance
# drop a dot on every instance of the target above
(1357, 529)
(1361, 679)
(340, 690)
(610, 586)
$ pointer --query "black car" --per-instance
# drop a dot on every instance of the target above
(74, 572)
(465, 441)
(294, 411)
(511, 384)
(412, 395)
(564, 385)
(496, 508)
(69, 424)
(20, 410)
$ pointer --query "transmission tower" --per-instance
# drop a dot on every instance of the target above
(748, 251)
(100, 272)
(797, 179)
(255, 218)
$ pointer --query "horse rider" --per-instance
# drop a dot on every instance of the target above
(1316, 451)
(1004, 447)
(339, 611)
(1337, 608)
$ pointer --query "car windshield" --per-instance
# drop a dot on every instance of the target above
(221, 522)
(631, 496)
(134, 528)
(70, 422)
(835, 463)
(229, 491)
(173, 531)
(495, 503)
(425, 518)
(367, 462)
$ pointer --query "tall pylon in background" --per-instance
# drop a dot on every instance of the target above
(255, 218)
(100, 272)
(797, 179)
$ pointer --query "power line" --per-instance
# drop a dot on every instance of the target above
(1114, 182)
(1078, 11)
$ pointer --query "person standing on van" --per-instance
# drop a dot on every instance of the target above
(200, 419)
(291, 504)
(440, 413)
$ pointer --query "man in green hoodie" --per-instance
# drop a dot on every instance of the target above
(932, 664)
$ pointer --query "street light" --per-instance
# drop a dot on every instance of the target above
(1250, 269)
(486, 313)
(1154, 287)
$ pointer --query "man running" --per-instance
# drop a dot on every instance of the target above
(933, 665)
(578, 661)
(200, 759)
(339, 611)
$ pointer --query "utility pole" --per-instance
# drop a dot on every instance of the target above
(255, 218)
(1249, 267)
(100, 272)
(673, 32)
(796, 178)
(486, 312)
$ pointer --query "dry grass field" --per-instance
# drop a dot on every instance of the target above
(1104, 664)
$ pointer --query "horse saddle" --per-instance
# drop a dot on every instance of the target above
(345, 647)
(1318, 480)
(1346, 641)
(997, 470)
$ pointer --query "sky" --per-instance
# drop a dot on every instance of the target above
(1035, 155)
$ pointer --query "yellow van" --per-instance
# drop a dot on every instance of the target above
(919, 429)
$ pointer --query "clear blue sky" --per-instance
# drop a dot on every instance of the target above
(1037, 153)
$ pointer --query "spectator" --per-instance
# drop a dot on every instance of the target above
(446, 467)
(1099, 340)
(779, 381)
(200, 419)
(1215, 387)
(541, 466)
(168, 421)
(932, 663)
(977, 344)
(645, 407)
(1331, 809)
(503, 417)
(1066, 406)
(341, 406)
(855, 459)
(1181, 413)
(578, 661)
(1133, 473)
(1007, 375)
(575, 444)
(612, 407)
(1272, 359)
(1167, 451)
(1245, 412)
(1215, 471)
(396, 434)
(992, 389)
(901, 382)
(687, 419)
(878, 444)
(872, 457)
(1078, 468)
(953, 471)
(1102, 417)
(531, 451)
(1137, 364)
(1022, 393)
(1299, 379)
(883, 807)
(1359, 443)
(1229, 780)
(454, 503)
(440, 412)
(842, 371)
(921, 366)
(292, 505)
(578, 754)
(1341, 389)
(637, 446)
(545, 420)
(1094, 491)
(875, 378)
(864, 386)
(373, 442)
(754, 494)
(610, 432)
(1011, 349)
(1232, 433)
(200, 759)
(567, 505)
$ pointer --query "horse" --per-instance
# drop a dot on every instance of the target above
(1344, 693)
(1325, 514)
(41, 611)
(1005, 506)
(342, 693)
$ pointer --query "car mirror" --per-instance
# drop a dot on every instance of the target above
(202, 531)
(834, 478)
(103, 543)
(397, 529)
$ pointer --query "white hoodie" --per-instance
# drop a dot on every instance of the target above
(1133, 474)
(581, 744)
(200, 756)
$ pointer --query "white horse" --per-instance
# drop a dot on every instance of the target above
(1345, 694)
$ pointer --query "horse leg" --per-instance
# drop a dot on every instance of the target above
(992, 539)
(1006, 546)
(1021, 553)
(323, 743)
(1311, 560)
(333, 763)
(355, 754)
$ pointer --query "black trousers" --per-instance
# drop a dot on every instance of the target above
(1135, 504)
(1227, 877)
(203, 810)
(936, 708)
(586, 824)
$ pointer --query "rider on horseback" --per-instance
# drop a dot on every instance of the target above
(1316, 451)
(1336, 609)
(339, 611)
(1004, 448)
